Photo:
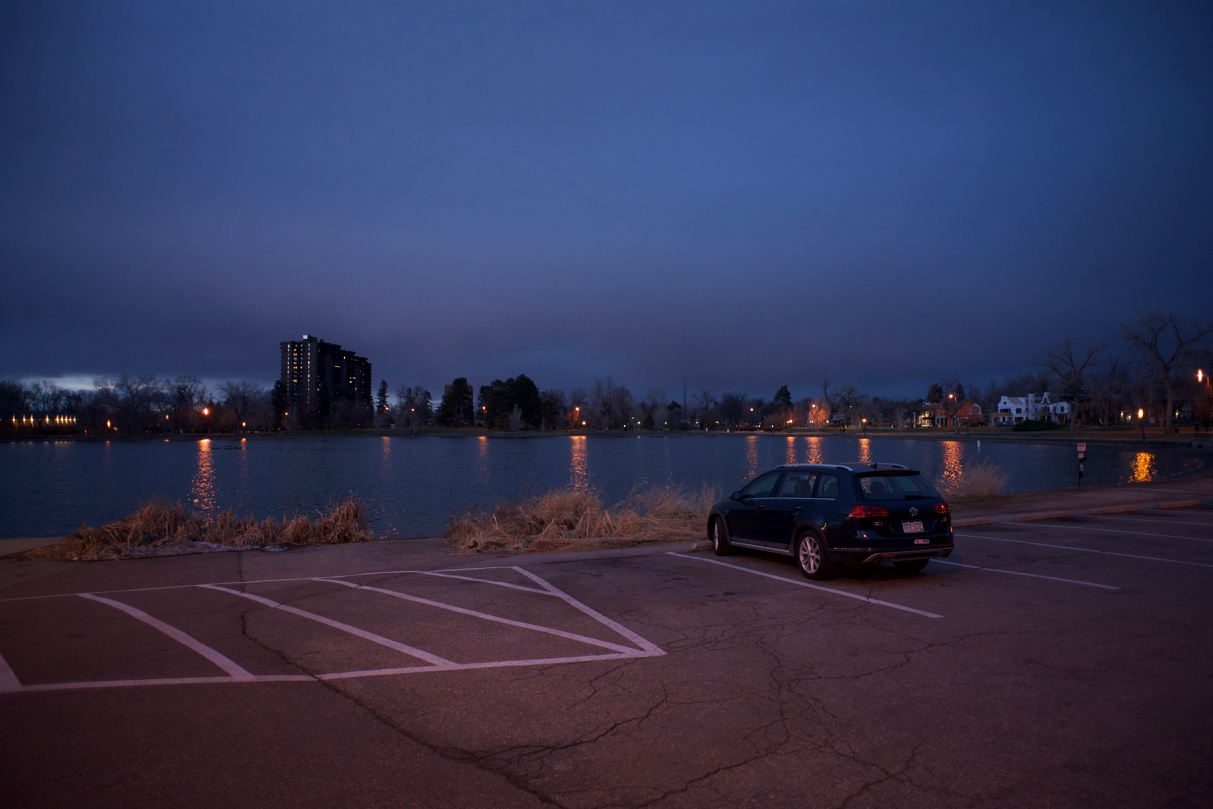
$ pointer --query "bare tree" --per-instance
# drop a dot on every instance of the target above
(14, 398)
(603, 401)
(516, 419)
(46, 397)
(240, 398)
(1166, 344)
(1069, 361)
(705, 404)
(185, 395)
(132, 400)
(733, 408)
(655, 407)
(1108, 384)
(414, 406)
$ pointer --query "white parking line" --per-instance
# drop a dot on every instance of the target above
(1083, 550)
(593, 613)
(786, 580)
(1111, 531)
(494, 664)
(1020, 573)
(1160, 519)
(615, 647)
(9, 683)
(442, 573)
(262, 678)
(176, 634)
(8, 680)
(353, 630)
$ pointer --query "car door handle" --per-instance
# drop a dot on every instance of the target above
(759, 506)
(797, 508)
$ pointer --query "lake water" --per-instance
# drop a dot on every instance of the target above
(412, 484)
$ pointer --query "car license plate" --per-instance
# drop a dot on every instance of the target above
(923, 541)
(912, 527)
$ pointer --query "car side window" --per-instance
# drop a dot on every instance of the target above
(828, 486)
(762, 487)
(798, 484)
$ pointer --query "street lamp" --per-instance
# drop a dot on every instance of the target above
(1141, 419)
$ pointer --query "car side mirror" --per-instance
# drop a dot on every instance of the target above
(735, 496)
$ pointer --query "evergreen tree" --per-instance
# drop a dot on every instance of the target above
(456, 407)
(783, 399)
(381, 400)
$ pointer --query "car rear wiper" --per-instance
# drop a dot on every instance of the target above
(918, 497)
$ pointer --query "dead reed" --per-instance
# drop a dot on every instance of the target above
(157, 528)
(558, 519)
(981, 479)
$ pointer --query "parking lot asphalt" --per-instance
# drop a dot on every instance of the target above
(1058, 662)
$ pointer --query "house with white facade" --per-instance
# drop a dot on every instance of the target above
(1014, 409)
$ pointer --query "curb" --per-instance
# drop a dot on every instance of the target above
(1043, 515)
(1058, 515)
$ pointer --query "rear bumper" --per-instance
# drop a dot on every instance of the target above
(872, 556)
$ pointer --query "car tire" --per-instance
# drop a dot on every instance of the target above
(719, 533)
(911, 565)
(811, 557)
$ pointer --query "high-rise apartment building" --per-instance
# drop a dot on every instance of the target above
(311, 365)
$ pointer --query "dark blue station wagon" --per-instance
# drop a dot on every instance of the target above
(827, 515)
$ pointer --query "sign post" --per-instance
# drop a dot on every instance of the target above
(1082, 454)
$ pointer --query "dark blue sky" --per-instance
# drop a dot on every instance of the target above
(746, 195)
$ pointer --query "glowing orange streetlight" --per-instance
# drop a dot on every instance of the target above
(1141, 419)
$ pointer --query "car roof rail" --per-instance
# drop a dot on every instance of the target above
(843, 466)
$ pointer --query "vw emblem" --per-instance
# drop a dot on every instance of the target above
(913, 512)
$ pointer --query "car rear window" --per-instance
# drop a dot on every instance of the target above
(893, 487)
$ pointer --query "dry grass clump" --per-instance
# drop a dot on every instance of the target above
(158, 529)
(558, 519)
(981, 479)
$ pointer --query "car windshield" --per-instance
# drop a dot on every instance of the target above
(893, 487)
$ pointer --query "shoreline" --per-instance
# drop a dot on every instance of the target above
(1197, 442)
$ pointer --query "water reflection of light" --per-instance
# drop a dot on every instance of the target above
(953, 467)
(751, 456)
(483, 456)
(1143, 466)
(865, 450)
(579, 466)
(814, 453)
(202, 488)
(791, 449)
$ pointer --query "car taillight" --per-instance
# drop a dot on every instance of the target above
(869, 511)
(943, 508)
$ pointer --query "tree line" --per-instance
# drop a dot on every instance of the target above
(1150, 366)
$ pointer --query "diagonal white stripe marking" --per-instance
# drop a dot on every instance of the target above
(1020, 573)
(8, 680)
(1083, 550)
(786, 580)
(484, 615)
(1111, 531)
(176, 634)
(545, 661)
(489, 581)
(593, 613)
(353, 630)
